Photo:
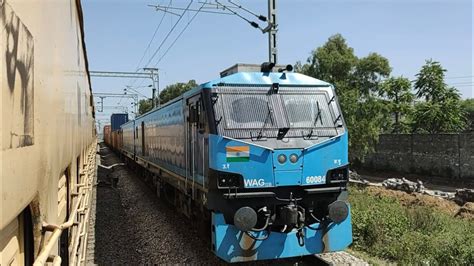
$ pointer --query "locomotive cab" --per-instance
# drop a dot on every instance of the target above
(264, 153)
(278, 163)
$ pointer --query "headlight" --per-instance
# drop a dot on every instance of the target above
(282, 158)
(293, 158)
(338, 211)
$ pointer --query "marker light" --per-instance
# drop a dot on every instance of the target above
(282, 158)
(293, 158)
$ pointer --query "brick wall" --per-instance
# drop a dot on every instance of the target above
(446, 155)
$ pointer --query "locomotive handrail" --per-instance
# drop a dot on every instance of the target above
(81, 207)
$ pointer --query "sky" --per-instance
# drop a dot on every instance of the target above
(407, 32)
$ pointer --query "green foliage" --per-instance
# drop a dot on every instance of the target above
(357, 82)
(369, 73)
(430, 81)
(442, 112)
(468, 107)
(373, 103)
(174, 90)
(333, 62)
(397, 90)
(166, 95)
(144, 106)
(384, 228)
(439, 117)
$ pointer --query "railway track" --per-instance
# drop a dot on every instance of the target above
(130, 225)
(340, 258)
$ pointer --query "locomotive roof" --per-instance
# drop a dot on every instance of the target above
(251, 78)
(260, 78)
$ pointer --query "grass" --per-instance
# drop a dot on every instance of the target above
(385, 229)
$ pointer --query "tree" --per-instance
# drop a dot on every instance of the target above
(430, 81)
(166, 95)
(439, 117)
(357, 82)
(333, 62)
(144, 106)
(175, 90)
(400, 98)
(369, 73)
(442, 111)
(468, 107)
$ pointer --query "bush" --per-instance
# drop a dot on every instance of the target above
(382, 227)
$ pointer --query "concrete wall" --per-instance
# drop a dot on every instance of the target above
(446, 155)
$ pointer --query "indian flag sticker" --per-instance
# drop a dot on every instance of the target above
(237, 153)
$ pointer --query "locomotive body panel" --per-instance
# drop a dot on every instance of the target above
(274, 143)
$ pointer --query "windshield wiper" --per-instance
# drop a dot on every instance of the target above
(270, 111)
(318, 117)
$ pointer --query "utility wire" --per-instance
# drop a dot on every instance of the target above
(137, 92)
(461, 83)
(149, 44)
(167, 35)
(460, 77)
(252, 23)
(162, 8)
(153, 38)
(212, 5)
(260, 17)
(181, 33)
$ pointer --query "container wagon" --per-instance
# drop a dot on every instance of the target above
(48, 137)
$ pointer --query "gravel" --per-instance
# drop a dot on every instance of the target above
(129, 225)
(132, 226)
(341, 258)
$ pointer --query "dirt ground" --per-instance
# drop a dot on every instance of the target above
(430, 182)
(416, 199)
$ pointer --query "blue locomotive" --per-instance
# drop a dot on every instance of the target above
(259, 158)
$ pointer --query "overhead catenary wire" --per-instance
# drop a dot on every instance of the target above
(149, 45)
(168, 34)
(213, 6)
(260, 17)
(179, 35)
(253, 23)
(165, 9)
(166, 37)
(153, 37)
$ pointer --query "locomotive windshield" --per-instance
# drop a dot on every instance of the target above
(307, 111)
(240, 111)
(247, 111)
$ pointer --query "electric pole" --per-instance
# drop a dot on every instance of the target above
(155, 83)
(271, 28)
(272, 34)
(153, 75)
(101, 103)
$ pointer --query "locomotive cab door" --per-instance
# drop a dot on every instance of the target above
(192, 143)
(143, 139)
